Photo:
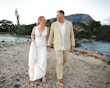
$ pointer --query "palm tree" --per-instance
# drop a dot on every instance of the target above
(17, 17)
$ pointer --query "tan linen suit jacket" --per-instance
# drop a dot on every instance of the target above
(55, 36)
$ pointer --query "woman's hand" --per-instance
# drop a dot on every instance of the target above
(48, 48)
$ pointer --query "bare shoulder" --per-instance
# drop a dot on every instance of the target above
(46, 27)
(34, 28)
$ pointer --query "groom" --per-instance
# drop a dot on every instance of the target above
(62, 34)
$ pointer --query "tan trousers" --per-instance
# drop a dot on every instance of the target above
(61, 57)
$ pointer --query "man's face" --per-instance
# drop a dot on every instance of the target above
(59, 16)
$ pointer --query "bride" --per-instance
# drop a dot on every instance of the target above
(38, 51)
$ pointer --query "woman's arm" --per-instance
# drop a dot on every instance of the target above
(47, 34)
(33, 33)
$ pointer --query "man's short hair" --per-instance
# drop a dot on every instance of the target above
(61, 11)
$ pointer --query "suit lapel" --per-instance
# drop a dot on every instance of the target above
(58, 27)
(66, 28)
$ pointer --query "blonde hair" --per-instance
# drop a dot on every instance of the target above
(39, 19)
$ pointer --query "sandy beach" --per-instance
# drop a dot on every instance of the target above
(81, 71)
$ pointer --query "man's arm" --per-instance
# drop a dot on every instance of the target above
(51, 35)
(72, 38)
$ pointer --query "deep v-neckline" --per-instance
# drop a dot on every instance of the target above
(41, 32)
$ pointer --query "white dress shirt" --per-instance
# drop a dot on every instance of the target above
(62, 32)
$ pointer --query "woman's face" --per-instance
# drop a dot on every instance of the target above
(43, 21)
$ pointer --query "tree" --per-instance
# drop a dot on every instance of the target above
(25, 29)
(103, 33)
(93, 25)
(48, 23)
(78, 27)
(17, 17)
(7, 26)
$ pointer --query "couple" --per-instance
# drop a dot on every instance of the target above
(62, 34)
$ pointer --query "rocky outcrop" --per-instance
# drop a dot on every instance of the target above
(94, 54)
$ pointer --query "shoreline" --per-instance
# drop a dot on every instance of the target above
(22, 41)
(92, 39)
(80, 71)
(28, 36)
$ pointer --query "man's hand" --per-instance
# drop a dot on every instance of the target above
(48, 48)
(72, 48)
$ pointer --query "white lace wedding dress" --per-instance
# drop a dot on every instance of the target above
(38, 55)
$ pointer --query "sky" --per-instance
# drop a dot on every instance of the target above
(30, 10)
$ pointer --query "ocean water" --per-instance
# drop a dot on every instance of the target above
(102, 47)
(97, 46)
(13, 38)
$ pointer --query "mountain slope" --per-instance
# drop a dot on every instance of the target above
(83, 18)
